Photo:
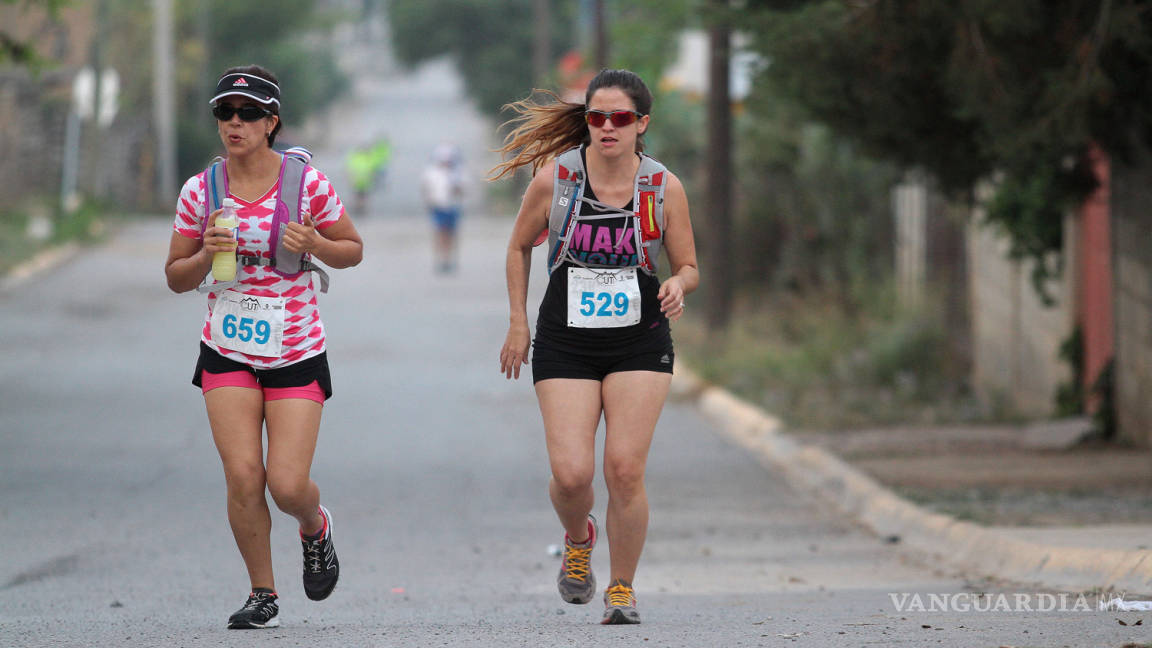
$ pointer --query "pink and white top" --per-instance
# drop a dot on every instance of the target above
(303, 330)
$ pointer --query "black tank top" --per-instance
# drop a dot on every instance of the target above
(595, 242)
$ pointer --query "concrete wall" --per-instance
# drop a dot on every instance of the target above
(1015, 337)
(931, 264)
(910, 203)
(1132, 291)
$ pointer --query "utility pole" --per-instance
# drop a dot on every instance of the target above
(96, 134)
(163, 100)
(542, 43)
(600, 34)
(719, 171)
(204, 18)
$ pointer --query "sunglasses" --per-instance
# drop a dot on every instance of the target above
(248, 113)
(619, 118)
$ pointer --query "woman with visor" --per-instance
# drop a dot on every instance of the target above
(279, 377)
(603, 344)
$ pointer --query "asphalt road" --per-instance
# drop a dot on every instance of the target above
(112, 500)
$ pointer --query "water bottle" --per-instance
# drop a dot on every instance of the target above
(224, 263)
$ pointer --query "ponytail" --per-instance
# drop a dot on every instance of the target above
(540, 132)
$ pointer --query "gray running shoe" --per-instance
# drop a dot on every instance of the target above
(620, 604)
(576, 582)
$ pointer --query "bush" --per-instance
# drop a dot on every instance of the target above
(820, 366)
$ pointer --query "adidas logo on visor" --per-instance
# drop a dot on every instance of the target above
(240, 82)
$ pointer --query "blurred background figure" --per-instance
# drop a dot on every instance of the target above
(367, 168)
(443, 189)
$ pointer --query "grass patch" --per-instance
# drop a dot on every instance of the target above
(30, 229)
(820, 365)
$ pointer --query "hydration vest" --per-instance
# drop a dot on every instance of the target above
(568, 192)
(284, 263)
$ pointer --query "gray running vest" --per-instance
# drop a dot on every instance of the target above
(284, 263)
(568, 192)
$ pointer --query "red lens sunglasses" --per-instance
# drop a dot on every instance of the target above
(619, 118)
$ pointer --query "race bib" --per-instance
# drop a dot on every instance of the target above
(603, 298)
(248, 324)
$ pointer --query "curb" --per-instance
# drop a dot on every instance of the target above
(959, 544)
(46, 259)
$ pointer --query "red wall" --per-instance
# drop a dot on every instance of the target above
(1094, 301)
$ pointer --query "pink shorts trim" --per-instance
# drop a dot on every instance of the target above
(311, 392)
(245, 379)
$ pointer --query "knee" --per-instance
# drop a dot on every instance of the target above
(289, 491)
(571, 481)
(625, 478)
(245, 482)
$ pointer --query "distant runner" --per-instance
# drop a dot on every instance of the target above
(368, 167)
(443, 189)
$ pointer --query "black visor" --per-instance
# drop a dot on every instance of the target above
(247, 85)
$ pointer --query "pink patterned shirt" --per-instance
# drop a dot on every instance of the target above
(303, 330)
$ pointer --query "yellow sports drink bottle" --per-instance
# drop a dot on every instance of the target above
(224, 263)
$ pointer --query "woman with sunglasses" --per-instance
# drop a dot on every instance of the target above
(278, 378)
(584, 367)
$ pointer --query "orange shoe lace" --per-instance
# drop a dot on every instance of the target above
(576, 561)
(620, 595)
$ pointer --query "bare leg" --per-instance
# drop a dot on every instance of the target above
(236, 415)
(571, 411)
(293, 426)
(632, 404)
(445, 246)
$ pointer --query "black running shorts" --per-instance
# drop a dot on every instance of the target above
(549, 363)
(298, 374)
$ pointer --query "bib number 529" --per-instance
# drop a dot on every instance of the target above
(610, 304)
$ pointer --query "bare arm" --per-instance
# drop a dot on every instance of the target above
(532, 218)
(681, 249)
(190, 259)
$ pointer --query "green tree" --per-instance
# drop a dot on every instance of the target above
(814, 211)
(223, 37)
(645, 33)
(972, 89)
(490, 42)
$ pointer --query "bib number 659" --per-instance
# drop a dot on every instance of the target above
(245, 328)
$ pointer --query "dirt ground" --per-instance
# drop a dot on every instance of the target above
(1001, 475)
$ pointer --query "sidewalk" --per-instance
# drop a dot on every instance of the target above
(990, 501)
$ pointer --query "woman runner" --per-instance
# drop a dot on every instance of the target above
(262, 347)
(603, 344)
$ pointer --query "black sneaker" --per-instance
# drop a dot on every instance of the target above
(259, 612)
(321, 568)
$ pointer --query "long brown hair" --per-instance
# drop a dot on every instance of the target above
(541, 131)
